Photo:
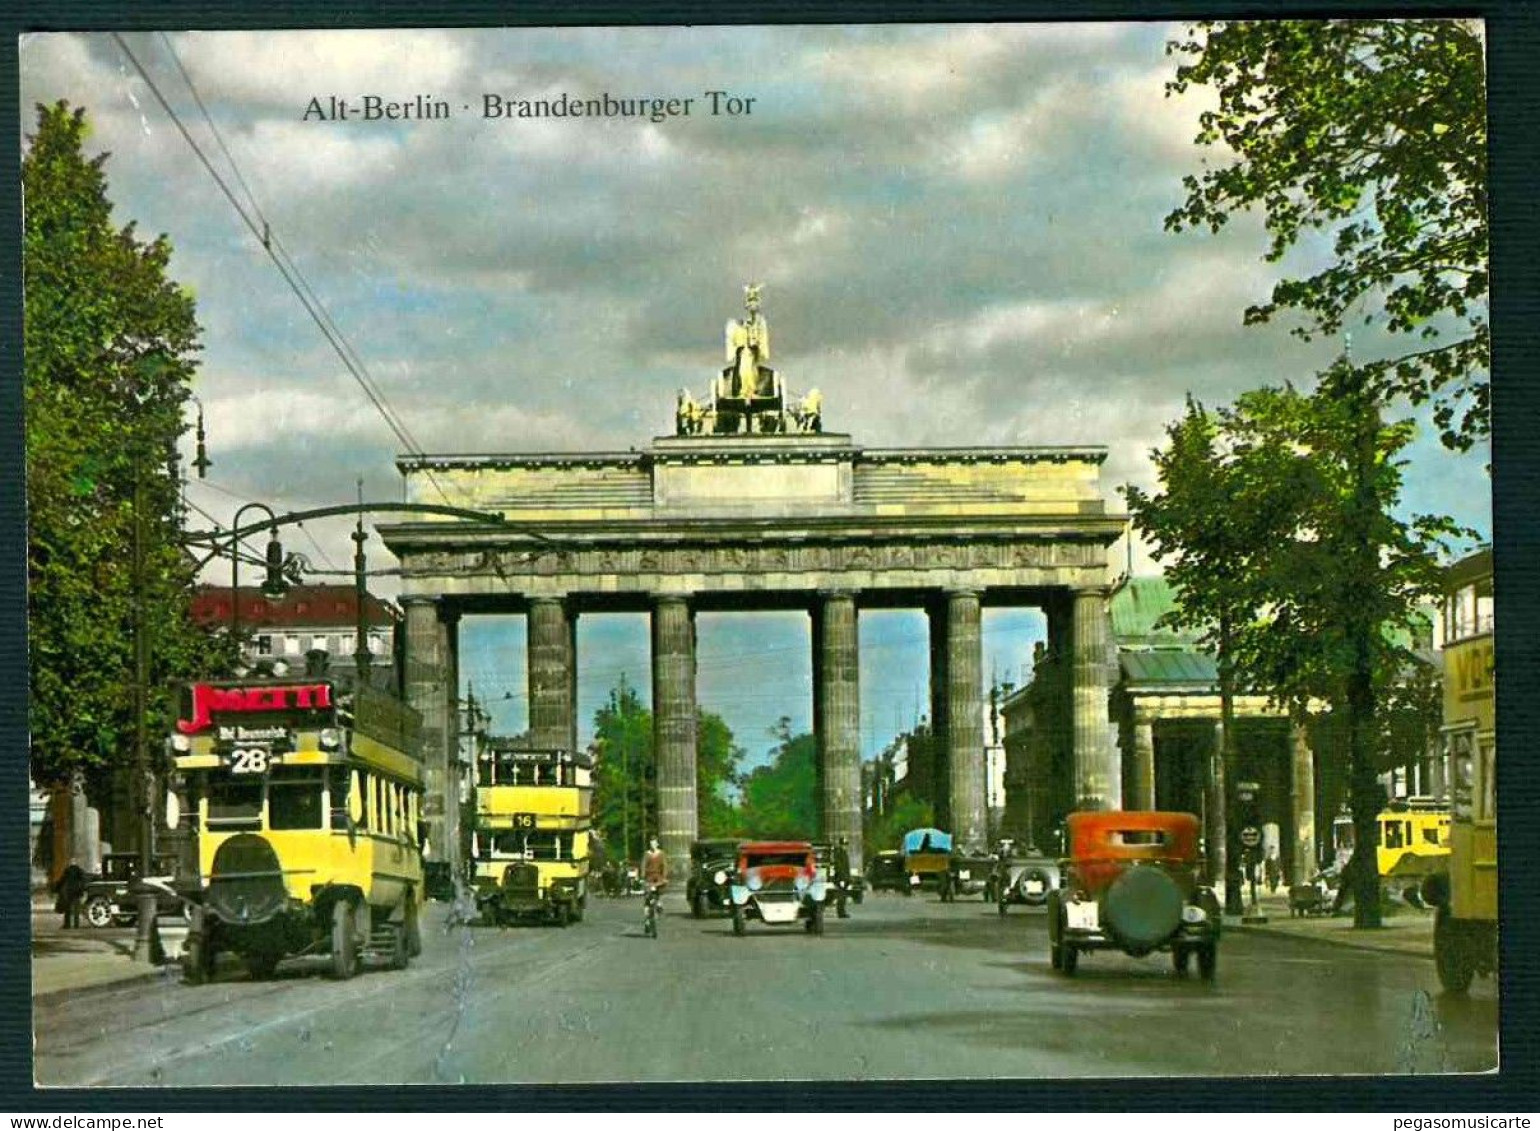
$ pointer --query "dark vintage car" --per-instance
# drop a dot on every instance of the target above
(843, 891)
(1131, 883)
(111, 899)
(1022, 876)
(885, 872)
(713, 863)
(777, 884)
(520, 898)
(968, 872)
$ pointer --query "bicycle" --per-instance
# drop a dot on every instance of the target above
(651, 911)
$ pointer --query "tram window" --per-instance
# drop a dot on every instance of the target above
(235, 804)
(1391, 837)
(337, 786)
(1430, 834)
(484, 776)
(294, 799)
(1488, 781)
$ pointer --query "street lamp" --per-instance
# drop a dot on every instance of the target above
(273, 584)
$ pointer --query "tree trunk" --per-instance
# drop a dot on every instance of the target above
(1224, 791)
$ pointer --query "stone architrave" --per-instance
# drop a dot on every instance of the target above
(965, 720)
(674, 729)
(551, 714)
(1302, 797)
(1144, 765)
(1098, 772)
(428, 691)
(839, 720)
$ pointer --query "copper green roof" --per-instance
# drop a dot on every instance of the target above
(1137, 605)
(1171, 667)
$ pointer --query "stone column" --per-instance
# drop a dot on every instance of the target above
(673, 728)
(1144, 764)
(1098, 773)
(1302, 859)
(549, 674)
(936, 777)
(837, 710)
(429, 691)
(965, 720)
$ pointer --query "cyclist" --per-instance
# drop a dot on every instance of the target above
(655, 879)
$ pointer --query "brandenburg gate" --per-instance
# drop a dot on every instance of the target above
(752, 506)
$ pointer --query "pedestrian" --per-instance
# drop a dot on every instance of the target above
(839, 860)
(69, 889)
(1272, 870)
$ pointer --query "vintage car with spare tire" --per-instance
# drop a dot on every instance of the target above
(1132, 883)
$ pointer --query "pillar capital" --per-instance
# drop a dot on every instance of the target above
(837, 594)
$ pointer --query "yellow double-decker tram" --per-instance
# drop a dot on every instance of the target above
(306, 804)
(530, 843)
(1465, 932)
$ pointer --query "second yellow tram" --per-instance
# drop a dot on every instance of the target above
(530, 844)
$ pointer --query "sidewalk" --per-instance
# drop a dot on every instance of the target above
(87, 956)
(1407, 930)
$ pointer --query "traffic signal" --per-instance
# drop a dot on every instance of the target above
(275, 584)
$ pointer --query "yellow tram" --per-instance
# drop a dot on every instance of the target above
(1465, 932)
(306, 803)
(530, 844)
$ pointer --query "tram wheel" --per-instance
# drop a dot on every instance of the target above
(1208, 961)
(1452, 954)
(399, 951)
(411, 927)
(197, 960)
(344, 941)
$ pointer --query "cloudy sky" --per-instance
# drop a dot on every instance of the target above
(958, 229)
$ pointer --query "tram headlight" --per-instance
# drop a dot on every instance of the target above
(719, 877)
(331, 738)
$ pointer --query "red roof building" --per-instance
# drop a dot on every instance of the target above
(307, 617)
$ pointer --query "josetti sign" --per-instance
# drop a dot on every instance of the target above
(209, 700)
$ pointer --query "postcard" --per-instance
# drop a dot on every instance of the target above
(759, 553)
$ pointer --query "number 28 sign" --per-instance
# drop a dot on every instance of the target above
(250, 760)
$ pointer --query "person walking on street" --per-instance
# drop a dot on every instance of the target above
(70, 889)
(1272, 870)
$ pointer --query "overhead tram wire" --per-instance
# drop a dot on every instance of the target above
(285, 264)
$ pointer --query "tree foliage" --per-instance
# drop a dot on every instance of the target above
(780, 798)
(1373, 134)
(110, 347)
(887, 830)
(1326, 579)
(625, 776)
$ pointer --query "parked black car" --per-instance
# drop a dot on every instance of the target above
(713, 866)
(885, 872)
(967, 873)
(111, 899)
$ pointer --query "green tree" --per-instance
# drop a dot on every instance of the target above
(625, 806)
(908, 812)
(1209, 561)
(1323, 595)
(1369, 134)
(625, 777)
(780, 798)
(110, 343)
